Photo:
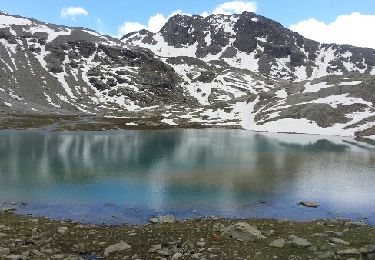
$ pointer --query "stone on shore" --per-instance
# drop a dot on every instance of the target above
(4, 251)
(278, 243)
(177, 256)
(338, 241)
(62, 230)
(162, 219)
(309, 204)
(122, 246)
(367, 249)
(299, 242)
(16, 257)
(242, 231)
(352, 252)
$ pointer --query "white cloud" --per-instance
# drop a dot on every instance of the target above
(128, 27)
(235, 7)
(156, 22)
(72, 12)
(347, 29)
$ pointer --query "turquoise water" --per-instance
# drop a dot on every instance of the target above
(128, 176)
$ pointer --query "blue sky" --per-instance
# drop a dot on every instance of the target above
(106, 16)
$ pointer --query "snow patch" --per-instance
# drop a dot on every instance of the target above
(168, 121)
(281, 93)
(351, 83)
(11, 20)
(309, 88)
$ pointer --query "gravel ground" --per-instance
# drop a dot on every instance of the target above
(25, 237)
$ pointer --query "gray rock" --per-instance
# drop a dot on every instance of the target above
(268, 233)
(334, 234)
(162, 219)
(243, 231)
(36, 252)
(177, 256)
(338, 241)
(312, 248)
(163, 252)
(278, 243)
(201, 243)
(352, 252)
(4, 251)
(59, 256)
(326, 255)
(122, 246)
(154, 248)
(62, 230)
(309, 204)
(16, 257)
(196, 256)
(299, 242)
(367, 249)
(355, 224)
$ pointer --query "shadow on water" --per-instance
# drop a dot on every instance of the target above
(185, 172)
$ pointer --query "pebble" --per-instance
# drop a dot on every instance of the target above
(196, 256)
(177, 256)
(326, 255)
(335, 234)
(162, 219)
(154, 248)
(201, 244)
(16, 257)
(163, 252)
(62, 230)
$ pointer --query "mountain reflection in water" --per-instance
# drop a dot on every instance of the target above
(221, 172)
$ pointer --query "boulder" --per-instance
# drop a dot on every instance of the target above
(243, 231)
(122, 246)
(369, 249)
(299, 242)
(309, 204)
(352, 252)
(278, 243)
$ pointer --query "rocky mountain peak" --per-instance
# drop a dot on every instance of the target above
(253, 42)
(239, 70)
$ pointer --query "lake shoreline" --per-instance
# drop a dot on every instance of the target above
(86, 123)
(202, 238)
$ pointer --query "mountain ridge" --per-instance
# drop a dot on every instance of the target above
(240, 70)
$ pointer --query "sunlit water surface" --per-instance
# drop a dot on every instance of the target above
(117, 177)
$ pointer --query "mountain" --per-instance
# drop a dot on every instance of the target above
(222, 70)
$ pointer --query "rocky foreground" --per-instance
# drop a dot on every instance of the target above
(23, 237)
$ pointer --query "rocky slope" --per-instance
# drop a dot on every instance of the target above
(241, 70)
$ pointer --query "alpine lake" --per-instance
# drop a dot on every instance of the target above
(117, 177)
